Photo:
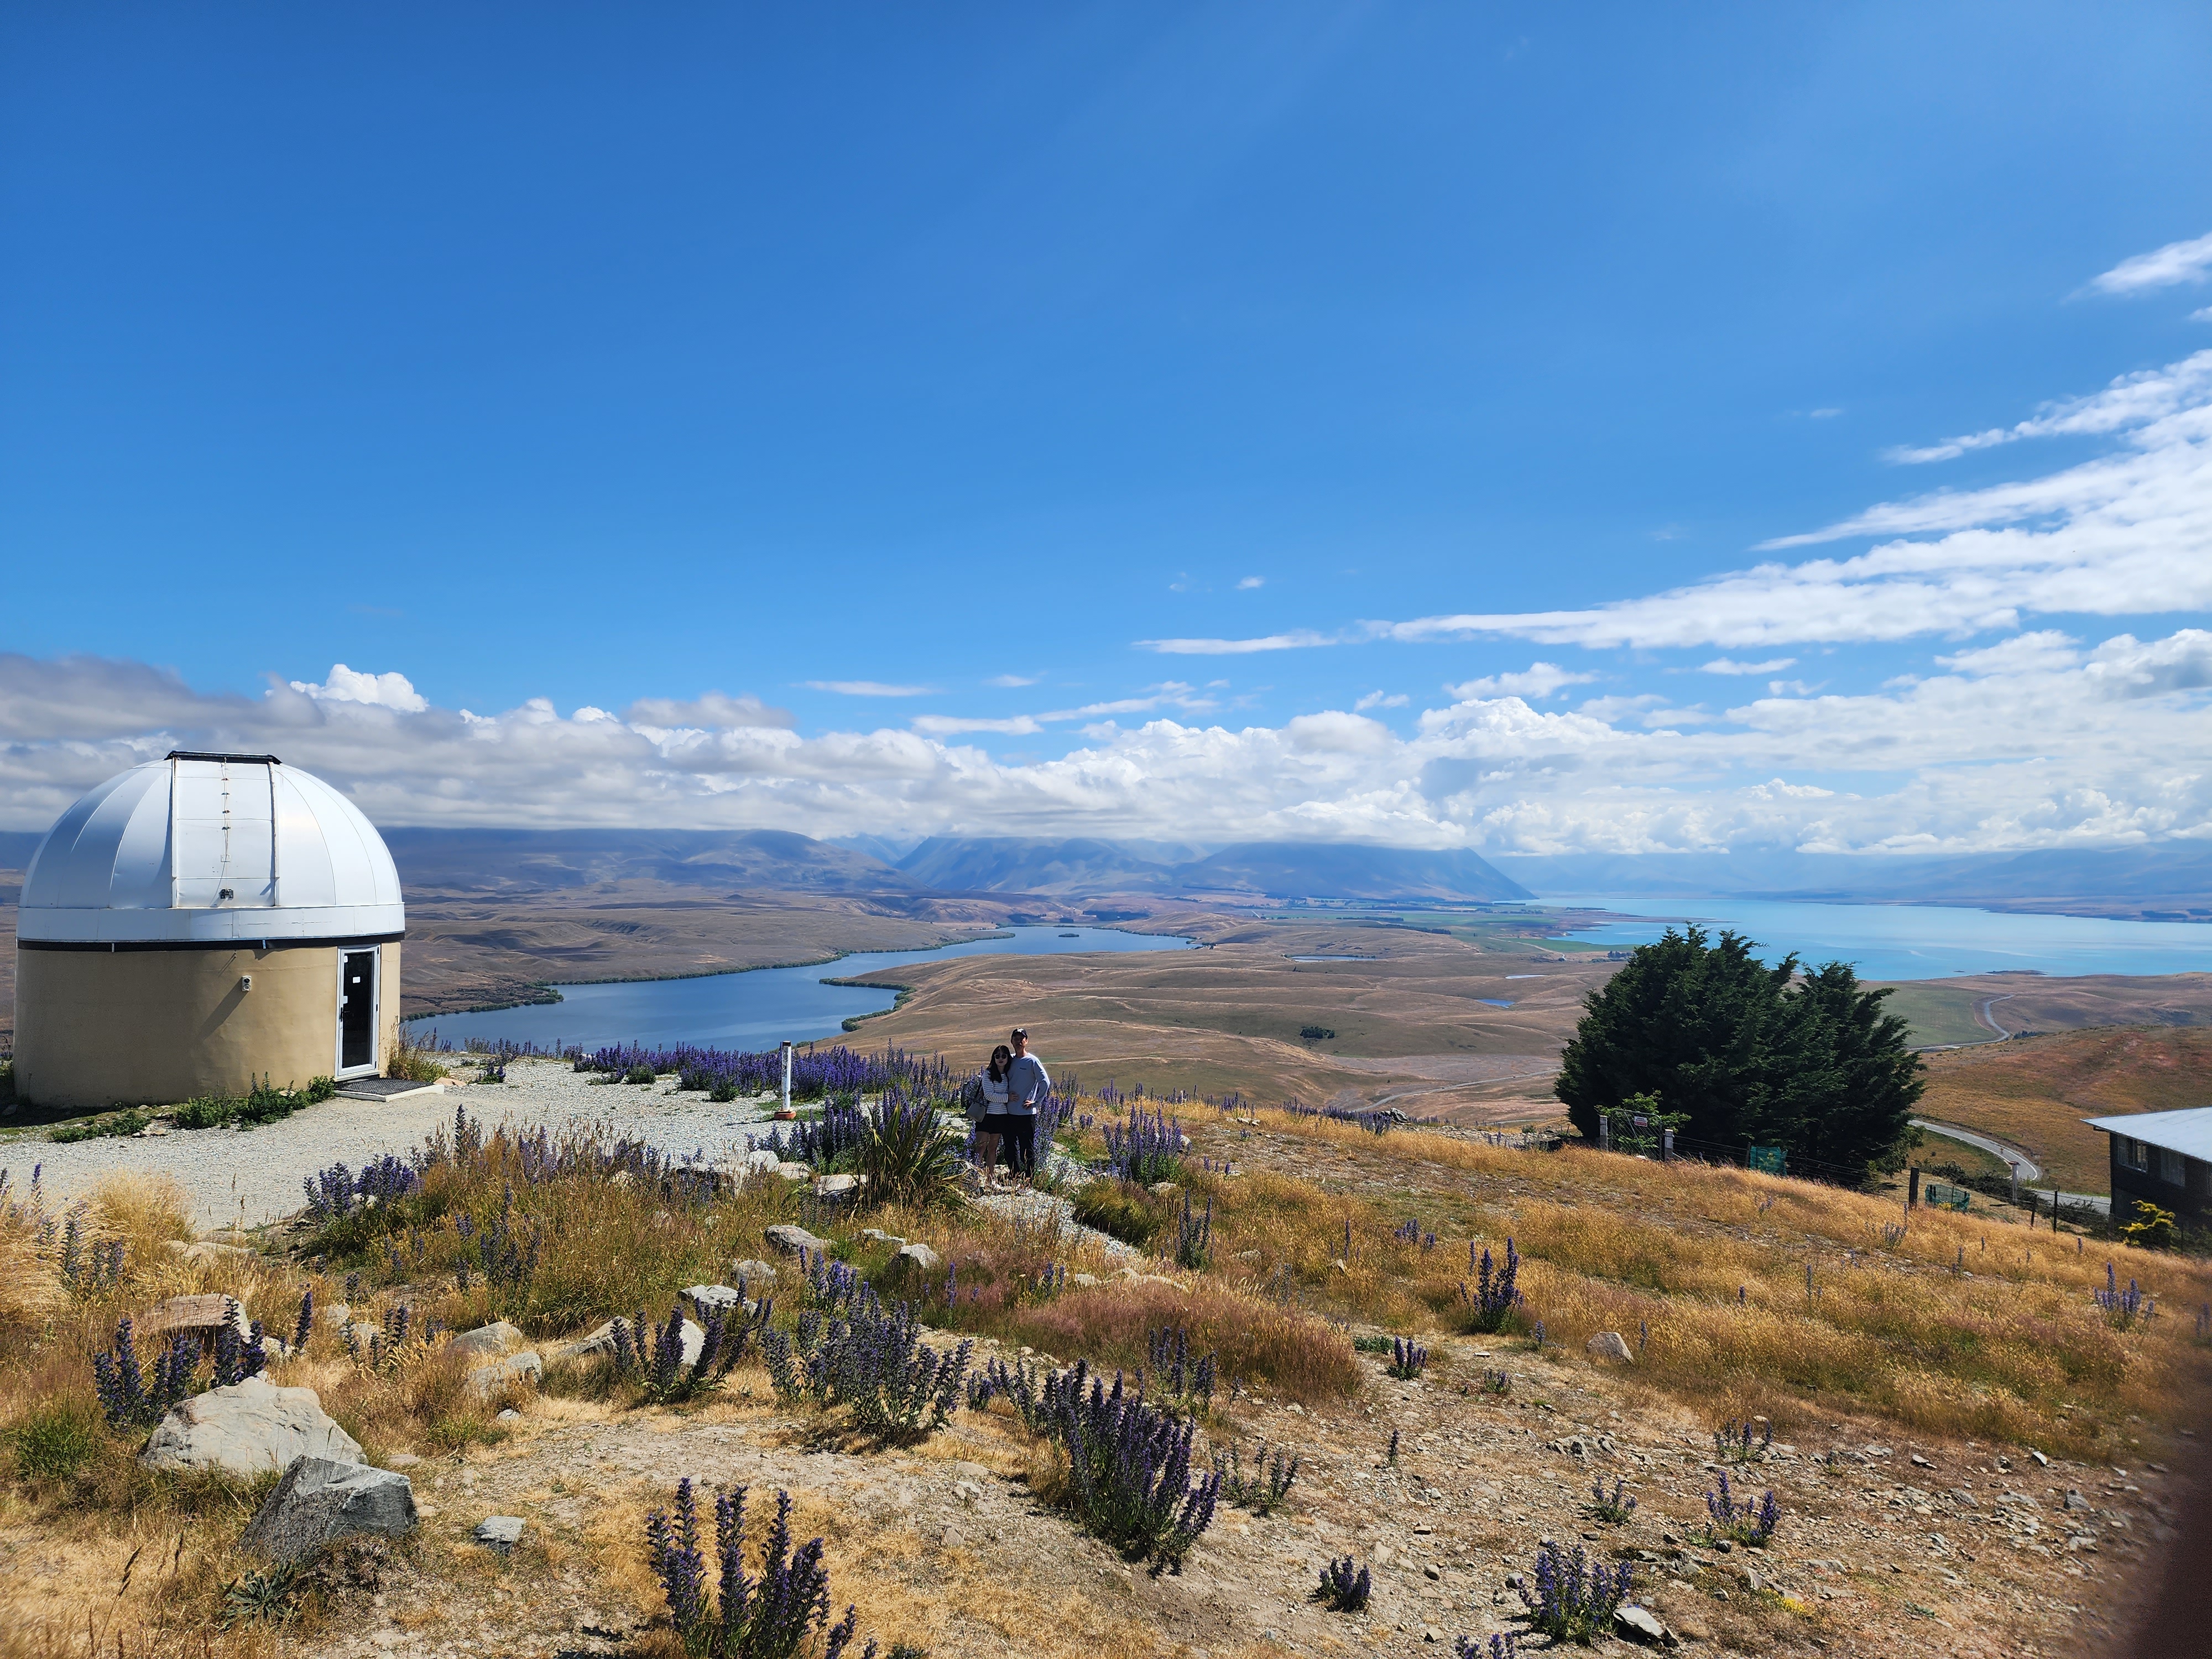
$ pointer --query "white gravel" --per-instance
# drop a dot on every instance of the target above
(247, 1177)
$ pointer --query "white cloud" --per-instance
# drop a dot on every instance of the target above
(2132, 400)
(1169, 694)
(1296, 640)
(344, 684)
(2120, 535)
(1253, 582)
(2175, 263)
(1823, 413)
(1729, 666)
(1378, 700)
(2034, 741)
(1541, 680)
(1010, 682)
(713, 712)
(2204, 314)
(869, 689)
(2023, 654)
(945, 726)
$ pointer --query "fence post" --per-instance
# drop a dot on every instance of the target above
(786, 1076)
(1665, 1145)
(1605, 1132)
(2015, 1186)
(1913, 1192)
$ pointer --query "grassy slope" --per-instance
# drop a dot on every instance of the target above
(2034, 1091)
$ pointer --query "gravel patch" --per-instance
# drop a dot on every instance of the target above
(248, 1178)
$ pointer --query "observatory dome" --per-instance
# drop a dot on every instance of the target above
(204, 849)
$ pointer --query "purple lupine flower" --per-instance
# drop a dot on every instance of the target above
(1345, 1586)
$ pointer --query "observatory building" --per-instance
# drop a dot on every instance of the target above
(196, 924)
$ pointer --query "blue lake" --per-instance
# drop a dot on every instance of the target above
(1913, 941)
(759, 1008)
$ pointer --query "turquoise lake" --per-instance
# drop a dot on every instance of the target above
(757, 1009)
(1913, 941)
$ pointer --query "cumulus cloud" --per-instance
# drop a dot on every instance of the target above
(1296, 640)
(869, 689)
(2036, 741)
(1729, 666)
(713, 712)
(1252, 581)
(2175, 263)
(344, 684)
(945, 726)
(1541, 680)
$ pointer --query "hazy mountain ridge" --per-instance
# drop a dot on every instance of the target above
(525, 860)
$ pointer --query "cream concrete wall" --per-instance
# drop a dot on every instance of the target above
(128, 1028)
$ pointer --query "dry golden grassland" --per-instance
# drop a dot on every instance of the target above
(1957, 1331)
(2034, 1091)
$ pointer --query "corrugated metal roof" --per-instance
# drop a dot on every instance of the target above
(2188, 1131)
(206, 848)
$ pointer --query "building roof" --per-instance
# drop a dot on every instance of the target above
(2188, 1131)
(201, 848)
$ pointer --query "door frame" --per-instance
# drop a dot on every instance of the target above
(338, 1067)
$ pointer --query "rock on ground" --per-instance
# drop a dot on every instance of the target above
(484, 1381)
(250, 1428)
(1609, 1344)
(500, 1532)
(495, 1338)
(916, 1259)
(319, 1502)
(714, 1298)
(790, 1238)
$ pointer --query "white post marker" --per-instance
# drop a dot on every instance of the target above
(786, 1076)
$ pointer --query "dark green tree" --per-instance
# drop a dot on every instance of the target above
(1715, 1034)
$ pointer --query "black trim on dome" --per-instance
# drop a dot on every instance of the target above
(116, 947)
(205, 755)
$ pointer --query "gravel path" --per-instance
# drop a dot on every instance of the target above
(245, 1177)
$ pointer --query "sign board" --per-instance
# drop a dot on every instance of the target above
(1950, 1198)
(1769, 1160)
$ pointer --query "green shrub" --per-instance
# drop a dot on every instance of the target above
(263, 1104)
(55, 1441)
(909, 1156)
(1119, 1209)
(91, 1128)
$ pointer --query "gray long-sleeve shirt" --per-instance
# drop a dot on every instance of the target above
(1027, 1085)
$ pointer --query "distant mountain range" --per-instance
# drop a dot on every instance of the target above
(2175, 877)
(2175, 873)
(538, 860)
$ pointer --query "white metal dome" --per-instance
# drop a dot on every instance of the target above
(205, 848)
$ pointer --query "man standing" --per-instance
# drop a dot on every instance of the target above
(1027, 1086)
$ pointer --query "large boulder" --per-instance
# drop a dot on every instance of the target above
(319, 1502)
(250, 1428)
(195, 1315)
(790, 1238)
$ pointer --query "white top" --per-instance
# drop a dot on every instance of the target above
(206, 849)
(2188, 1131)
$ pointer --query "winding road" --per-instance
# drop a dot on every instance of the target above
(2026, 1167)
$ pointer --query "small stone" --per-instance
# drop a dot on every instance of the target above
(1635, 1623)
(838, 1186)
(1431, 1633)
(794, 1171)
(950, 1538)
(337, 1314)
(752, 1271)
(495, 1338)
(523, 1367)
(1609, 1344)
(510, 1415)
(1083, 1279)
(1920, 1462)
(789, 1238)
(2075, 1500)
(916, 1259)
(878, 1236)
(499, 1532)
(716, 1299)
(1164, 1189)
(402, 1461)
(1433, 1570)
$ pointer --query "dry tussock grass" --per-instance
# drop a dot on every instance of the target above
(1713, 1262)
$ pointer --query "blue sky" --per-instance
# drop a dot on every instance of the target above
(614, 361)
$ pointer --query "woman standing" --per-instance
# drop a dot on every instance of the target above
(992, 1126)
